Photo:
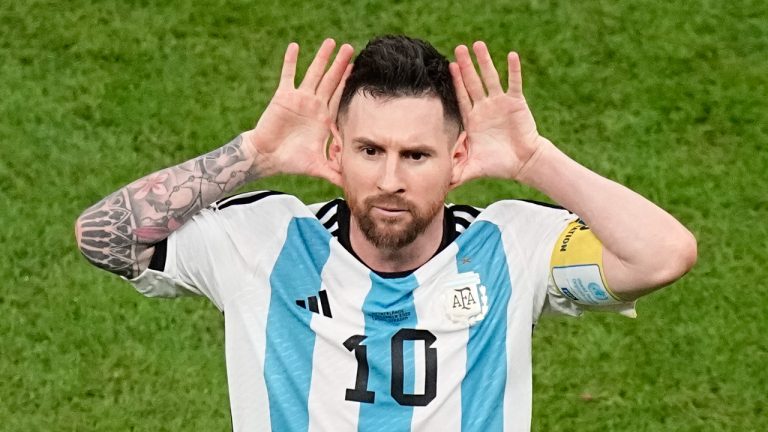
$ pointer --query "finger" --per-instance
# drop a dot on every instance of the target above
(487, 69)
(515, 75)
(332, 78)
(465, 104)
(468, 74)
(317, 67)
(289, 66)
(333, 105)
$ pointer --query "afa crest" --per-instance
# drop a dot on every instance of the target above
(465, 298)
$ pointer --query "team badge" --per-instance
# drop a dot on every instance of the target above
(465, 298)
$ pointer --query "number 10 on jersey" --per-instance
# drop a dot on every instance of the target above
(361, 393)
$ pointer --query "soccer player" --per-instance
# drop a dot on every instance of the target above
(388, 310)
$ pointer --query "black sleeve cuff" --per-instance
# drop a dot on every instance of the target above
(158, 257)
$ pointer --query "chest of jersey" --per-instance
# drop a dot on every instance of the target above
(345, 349)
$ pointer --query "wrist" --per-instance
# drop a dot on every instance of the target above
(534, 167)
(261, 164)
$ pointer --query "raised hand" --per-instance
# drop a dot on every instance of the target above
(292, 133)
(119, 232)
(500, 128)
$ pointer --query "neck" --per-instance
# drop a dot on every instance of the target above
(402, 259)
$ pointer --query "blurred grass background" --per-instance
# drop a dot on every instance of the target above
(668, 98)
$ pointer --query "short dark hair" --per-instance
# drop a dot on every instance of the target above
(394, 66)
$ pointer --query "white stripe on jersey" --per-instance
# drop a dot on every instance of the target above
(328, 215)
(451, 365)
(334, 369)
(524, 307)
(463, 215)
(519, 386)
(245, 320)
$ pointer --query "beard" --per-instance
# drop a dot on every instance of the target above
(392, 233)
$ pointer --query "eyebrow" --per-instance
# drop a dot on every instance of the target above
(419, 148)
(361, 141)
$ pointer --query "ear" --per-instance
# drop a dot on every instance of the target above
(459, 157)
(334, 149)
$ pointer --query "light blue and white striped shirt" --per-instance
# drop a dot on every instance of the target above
(316, 341)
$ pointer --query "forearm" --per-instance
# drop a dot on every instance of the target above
(118, 232)
(644, 246)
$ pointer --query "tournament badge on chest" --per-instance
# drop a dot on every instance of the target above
(465, 299)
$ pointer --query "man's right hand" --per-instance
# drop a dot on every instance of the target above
(292, 133)
(119, 232)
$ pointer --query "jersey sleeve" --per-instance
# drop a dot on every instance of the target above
(194, 255)
(215, 251)
(577, 279)
(536, 229)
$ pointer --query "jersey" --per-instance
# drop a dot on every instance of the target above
(317, 341)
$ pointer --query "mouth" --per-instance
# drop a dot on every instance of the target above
(388, 211)
(388, 207)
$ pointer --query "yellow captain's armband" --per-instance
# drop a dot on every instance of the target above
(577, 267)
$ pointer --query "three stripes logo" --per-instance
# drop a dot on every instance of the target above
(311, 303)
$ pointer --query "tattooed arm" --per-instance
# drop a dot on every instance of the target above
(119, 232)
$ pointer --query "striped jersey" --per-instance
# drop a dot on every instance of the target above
(317, 341)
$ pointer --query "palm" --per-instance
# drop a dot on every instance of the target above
(295, 123)
(501, 131)
(292, 132)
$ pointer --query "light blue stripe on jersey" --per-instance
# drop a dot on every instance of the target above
(290, 340)
(388, 307)
(482, 391)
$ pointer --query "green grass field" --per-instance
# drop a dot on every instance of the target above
(669, 98)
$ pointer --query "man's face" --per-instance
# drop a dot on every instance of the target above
(398, 159)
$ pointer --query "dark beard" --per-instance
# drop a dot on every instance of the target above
(392, 239)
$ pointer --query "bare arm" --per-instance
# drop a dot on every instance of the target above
(119, 232)
(644, 247)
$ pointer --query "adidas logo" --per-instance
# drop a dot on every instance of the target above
(312, 305)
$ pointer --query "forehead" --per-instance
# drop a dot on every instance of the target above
(399, 119)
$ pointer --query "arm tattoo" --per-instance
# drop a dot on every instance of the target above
(115, 232)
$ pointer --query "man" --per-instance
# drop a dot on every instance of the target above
(388, 310)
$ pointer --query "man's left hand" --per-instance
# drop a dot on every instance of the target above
(501, 132)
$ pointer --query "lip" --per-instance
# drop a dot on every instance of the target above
(389, 211)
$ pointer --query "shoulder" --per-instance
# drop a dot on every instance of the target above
(523, 211)
(523, 219)
(264, 203)
(248, 199)
(518, 213)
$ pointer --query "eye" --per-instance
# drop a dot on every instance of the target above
(417, 156)
(369, 151)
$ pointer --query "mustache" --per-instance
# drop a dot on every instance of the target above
(388, 201)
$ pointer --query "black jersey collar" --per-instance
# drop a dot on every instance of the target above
(342, 234)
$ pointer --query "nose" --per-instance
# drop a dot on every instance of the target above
(390, 179)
